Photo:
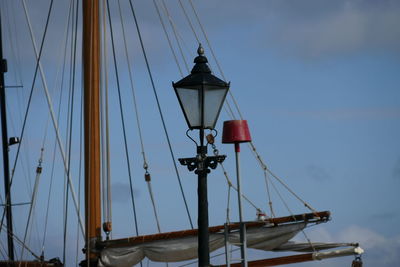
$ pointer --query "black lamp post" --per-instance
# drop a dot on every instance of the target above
(201, 96)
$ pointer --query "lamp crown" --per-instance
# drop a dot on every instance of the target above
(201, 94)
(200, 61)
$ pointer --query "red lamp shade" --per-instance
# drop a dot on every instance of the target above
(235, 131)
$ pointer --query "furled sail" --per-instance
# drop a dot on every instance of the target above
(182, 245)
(311, 247)
(180, 249)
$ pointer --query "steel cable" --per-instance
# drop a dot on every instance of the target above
(28, 106)
(71, 115)
(160, 111)
(216, 60)
(64, 54)
(189, 21)
(123, 121)
(175, 31)
(167, 36)
(53, 119)
(137, 116)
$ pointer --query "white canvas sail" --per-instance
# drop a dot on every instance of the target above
(180, 249)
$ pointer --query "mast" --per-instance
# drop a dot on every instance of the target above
(3, 69)
(91, 71)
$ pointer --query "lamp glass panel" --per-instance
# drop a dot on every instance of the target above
(213, 100)
(190, 100)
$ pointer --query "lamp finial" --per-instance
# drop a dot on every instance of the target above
(200, 50)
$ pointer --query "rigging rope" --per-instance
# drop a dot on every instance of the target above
(258, 157)
(20, 242)
(176, 34)
(105, 124)
(80, 167)
(189, 21)
(148, 181)
(137, 116)
(64, 54)
(13, 45)
(50, 106)
(25, 172)
(269, 195)
(29, 101)
(228, 180)
(33, 198)
(39, 171)
(36, 187)
(105, 138)
(122, 118)
(103, 151)
(229, 110)
(219, 67)
(38, 176)
(3, 251)
(228, 203)
(291, 191)
(75, 7)
(160, 111)
(291, 214)
(68, 153)
(168, 39)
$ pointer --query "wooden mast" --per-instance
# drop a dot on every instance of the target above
(91, 70)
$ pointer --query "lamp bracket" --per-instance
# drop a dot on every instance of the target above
(202, 163)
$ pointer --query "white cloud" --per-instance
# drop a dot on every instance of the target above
(366, 237)
(379, 249)
(319, 234)
(382, 250)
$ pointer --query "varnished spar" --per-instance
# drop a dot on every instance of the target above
(91, 70)
(315, 217)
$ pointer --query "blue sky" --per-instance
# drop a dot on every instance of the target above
(318, 82)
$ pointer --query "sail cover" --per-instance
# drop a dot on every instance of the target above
(311, 247)
(181, 249)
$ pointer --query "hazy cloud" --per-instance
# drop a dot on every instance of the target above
(317, 173)
(396, 169)
(121, 192)
(309, 28)
(323, 28)
(384, 215)
(345, 114)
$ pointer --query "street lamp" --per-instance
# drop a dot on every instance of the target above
(201, 96)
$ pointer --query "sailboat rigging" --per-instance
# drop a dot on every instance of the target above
(6, 168)
(266, 233)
